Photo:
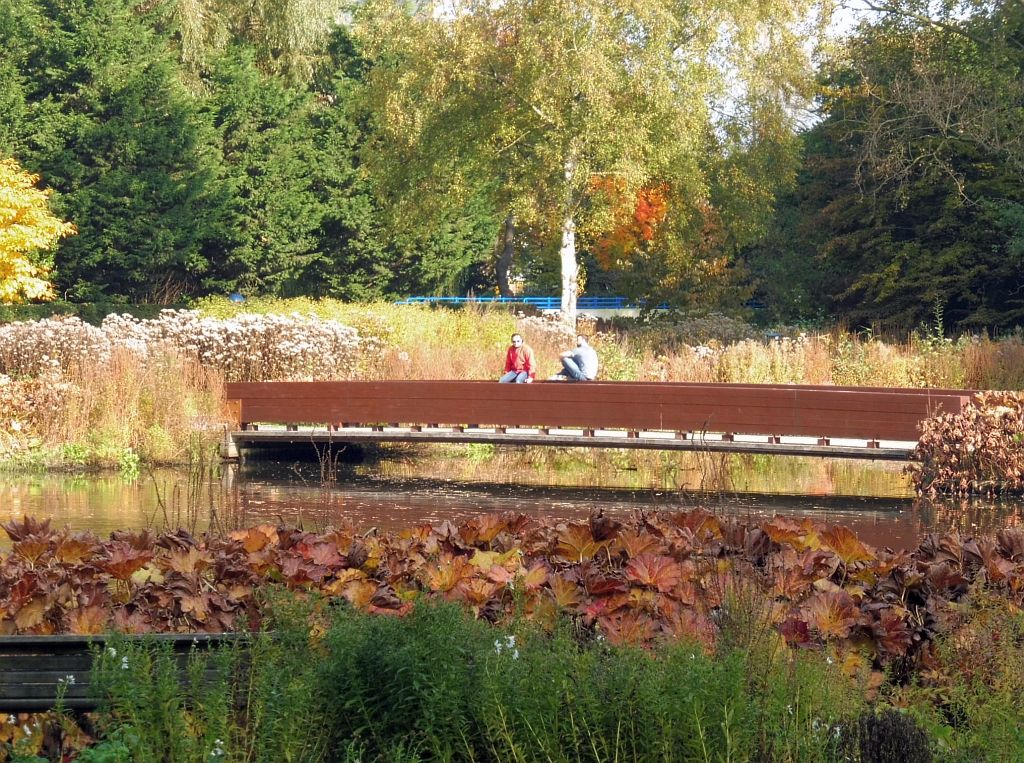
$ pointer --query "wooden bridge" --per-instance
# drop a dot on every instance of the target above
(846, 422)
(37, 672)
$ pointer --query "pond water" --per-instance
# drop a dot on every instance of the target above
(400, 487)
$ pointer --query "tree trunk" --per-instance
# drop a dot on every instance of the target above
(570, 270)
(504, 261)
(567, 252)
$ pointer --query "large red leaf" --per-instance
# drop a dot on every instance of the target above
(321, 553)
(796, 631)
(88, 620)
(566, 592)
(20, 529)
(359, 593)
(892, 633)
(628, 628)
(30, 616)
(255, 538)
(846, 545)
(192, 561)
(75, 549)
(834, 614)
(699, 522)
(448, 573)
(475, 592)
(576, 543)
(603, 606)
(32, 548)
(535, 577)
(680, 621)
(483, 529)
(597, 582)
(800, 535)
(790, 581)
(635, 544)
(122, 560)
(659, 572)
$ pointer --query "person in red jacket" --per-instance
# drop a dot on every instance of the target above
(520, 366)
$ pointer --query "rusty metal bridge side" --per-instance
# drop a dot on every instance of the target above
(852, 422)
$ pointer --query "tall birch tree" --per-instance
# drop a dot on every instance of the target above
(544, 104)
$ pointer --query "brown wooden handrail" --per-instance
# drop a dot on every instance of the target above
(793, 410)
(36, 671)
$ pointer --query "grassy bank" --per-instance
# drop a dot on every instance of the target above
(452, 688)
(130, 391)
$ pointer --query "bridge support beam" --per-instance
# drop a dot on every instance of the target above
(228, 447)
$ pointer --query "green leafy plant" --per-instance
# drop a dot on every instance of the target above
(151, 712)
(129, 464)
(479, 451)
(108, 751)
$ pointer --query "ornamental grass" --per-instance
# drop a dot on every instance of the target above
(62, 403)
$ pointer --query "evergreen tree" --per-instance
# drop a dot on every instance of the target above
(267, 156)
(369, 249)
(108, 123)
(930, 226)
(16, 19)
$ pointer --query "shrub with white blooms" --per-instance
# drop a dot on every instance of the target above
(31, 348)
(247, 347)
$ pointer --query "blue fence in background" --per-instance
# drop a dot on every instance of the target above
(541, 303)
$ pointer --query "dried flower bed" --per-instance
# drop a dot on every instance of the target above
(979, 450)
(245, 347)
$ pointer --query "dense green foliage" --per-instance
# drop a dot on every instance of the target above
(561, 113)
(283, 149)
(105, 121)
(206, 175)
(910, 206)
(452, 688)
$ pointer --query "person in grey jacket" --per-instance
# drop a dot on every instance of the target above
(579, 364)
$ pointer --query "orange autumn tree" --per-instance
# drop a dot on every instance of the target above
(663, 249)
(639, 222)
(26, 227)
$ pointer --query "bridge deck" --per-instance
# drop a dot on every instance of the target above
(782, 419)
(696, 441)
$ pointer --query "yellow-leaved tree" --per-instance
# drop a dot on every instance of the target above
(538, 105)
(26, 227)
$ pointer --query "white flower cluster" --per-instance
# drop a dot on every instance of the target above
(31, 348)
(550, 326)
(217, 753)
(508, 645)
(247, 347)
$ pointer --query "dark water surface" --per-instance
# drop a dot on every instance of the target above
(406, 488)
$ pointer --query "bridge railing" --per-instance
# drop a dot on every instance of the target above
(870, 414)
(39, 671)
(541, 303)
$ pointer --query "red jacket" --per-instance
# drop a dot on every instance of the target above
(521, 359)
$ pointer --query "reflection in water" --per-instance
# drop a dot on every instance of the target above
(409, 488)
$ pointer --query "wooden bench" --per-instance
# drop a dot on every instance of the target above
(864, 413)
(37, 670)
